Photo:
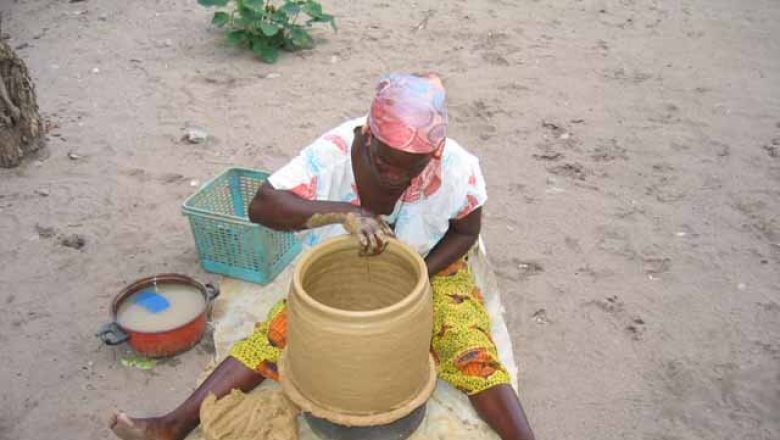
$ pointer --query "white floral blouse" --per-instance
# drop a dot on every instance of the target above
(449, 188)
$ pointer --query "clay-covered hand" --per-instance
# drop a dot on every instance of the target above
(372, 231)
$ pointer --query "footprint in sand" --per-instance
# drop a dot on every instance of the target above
(571, 170)
(665, 190)
(608, 151)
(495, 59)
(655, 266)
(136, 173)
(516, 269)
(616, 241)
(169, 178)
(773, 148)
(573, 244)
(636, 328)
(550, 156)
(633, 325)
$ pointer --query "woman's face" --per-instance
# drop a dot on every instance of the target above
(393, 169)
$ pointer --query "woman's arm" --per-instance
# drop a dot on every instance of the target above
(461, 235)
(285, 211)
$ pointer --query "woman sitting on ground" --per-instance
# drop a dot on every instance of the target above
(392, 173)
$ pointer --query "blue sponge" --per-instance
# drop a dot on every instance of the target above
(152, 301)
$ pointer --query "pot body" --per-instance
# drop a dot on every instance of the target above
(359, 332)
(169, 342)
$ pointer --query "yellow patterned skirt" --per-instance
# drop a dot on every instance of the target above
(465, 354)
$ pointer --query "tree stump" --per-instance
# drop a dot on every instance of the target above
(21, 127)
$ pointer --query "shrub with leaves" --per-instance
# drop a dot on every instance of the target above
(269, 26)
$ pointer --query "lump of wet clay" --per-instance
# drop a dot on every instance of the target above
(263, 415)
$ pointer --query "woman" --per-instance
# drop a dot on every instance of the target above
(393, 173)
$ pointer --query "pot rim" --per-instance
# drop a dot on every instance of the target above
(348, 241)
(145, 282)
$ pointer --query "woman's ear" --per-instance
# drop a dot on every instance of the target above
(367, 135)
(363, 135)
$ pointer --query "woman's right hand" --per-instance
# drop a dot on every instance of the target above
(371, 230)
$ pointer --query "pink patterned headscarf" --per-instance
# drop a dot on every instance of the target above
(409, 113)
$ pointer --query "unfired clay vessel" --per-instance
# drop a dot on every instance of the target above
(359, 332)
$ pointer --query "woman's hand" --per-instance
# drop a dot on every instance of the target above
(371, 230)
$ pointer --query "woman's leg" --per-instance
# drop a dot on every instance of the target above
(249, 363)
(501, 409)
(467, 355)
(175, 425)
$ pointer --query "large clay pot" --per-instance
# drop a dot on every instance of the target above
(359, 332)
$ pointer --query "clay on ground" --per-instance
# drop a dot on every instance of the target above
(264, 415)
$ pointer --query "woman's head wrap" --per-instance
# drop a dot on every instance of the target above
(409, 113)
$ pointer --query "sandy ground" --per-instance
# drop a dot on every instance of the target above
(630, 147)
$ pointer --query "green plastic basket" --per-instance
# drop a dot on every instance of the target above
(228, 243)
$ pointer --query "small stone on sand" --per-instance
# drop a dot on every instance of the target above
(195, 136)
(74, 241)
(44, 231)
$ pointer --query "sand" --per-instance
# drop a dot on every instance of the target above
(631, 154)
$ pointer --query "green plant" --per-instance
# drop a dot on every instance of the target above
(268, 26)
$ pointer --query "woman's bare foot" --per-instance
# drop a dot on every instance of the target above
(155, 428)
(231, 373)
